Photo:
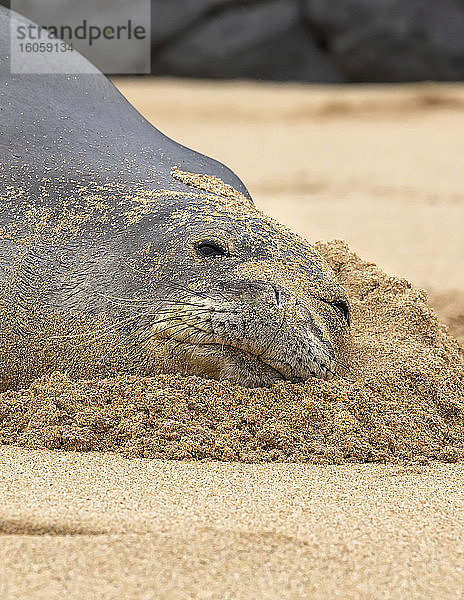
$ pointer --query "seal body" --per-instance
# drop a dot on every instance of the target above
(117, 238)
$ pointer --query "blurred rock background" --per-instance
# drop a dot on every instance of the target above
(310, 40)
(326, 41)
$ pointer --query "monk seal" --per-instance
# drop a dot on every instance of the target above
(103, 215)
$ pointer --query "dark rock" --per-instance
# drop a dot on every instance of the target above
(333, 17)
(170, 18)
(300, 40)
(265, 40)
(392, 40)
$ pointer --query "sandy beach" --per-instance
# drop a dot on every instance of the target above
(100, 526)
(379, 167)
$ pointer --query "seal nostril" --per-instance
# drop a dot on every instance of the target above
(278, 297)
(342, 307)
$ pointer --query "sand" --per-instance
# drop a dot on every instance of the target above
(380, 168)
(100, 526)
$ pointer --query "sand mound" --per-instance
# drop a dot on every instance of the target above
(403, 398)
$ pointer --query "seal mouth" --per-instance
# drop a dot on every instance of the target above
(249, 343)
(224, 361)
(249, 356)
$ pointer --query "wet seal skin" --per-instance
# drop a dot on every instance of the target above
(123, 250)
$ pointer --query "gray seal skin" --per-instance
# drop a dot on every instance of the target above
(101, 214)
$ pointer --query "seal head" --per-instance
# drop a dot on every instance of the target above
(248, 300)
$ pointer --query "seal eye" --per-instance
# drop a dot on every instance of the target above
(342, 308)
(208, 248)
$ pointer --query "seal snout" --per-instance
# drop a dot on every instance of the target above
(253, 332)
